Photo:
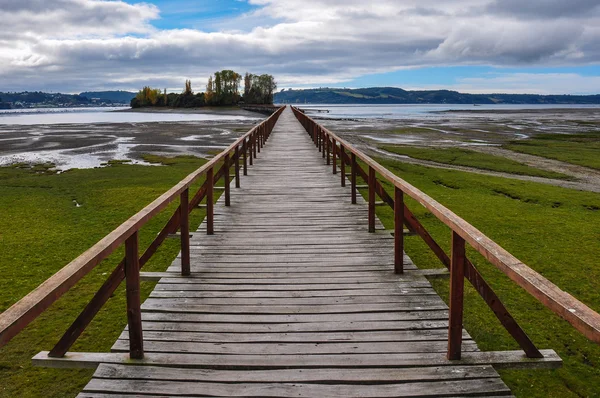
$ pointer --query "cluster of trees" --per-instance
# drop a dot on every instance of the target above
(259, 89)
(222, 89)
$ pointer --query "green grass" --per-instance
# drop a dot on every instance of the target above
(469, 158)
(580, 149)
(41, 230)
(553, 230)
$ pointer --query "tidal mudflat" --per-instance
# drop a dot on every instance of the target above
(506, 134)
(80, 144)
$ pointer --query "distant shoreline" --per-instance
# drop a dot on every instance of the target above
(224, 110)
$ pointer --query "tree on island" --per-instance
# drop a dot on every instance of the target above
(221, 90)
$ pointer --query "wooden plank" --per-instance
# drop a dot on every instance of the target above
(583, 318)
(501, 359)
(132, 289)
(243, 326)
(175, 305)
(263, 348)
(353, 376)
(429, 335)
(19, 315)
(296, 318)
(191, 298)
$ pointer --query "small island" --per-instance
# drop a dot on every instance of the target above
(222, 89)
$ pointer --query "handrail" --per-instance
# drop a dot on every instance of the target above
(583, 318)
(20, 314)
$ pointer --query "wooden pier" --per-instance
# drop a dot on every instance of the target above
(292, 287)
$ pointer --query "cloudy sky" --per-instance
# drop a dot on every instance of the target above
(540, 46)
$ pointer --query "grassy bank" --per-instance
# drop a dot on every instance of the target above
(48, 220)
(469, 158)
(553, 230)
(580, 149)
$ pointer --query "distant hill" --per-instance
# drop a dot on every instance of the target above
(121, 97)
(34, 99)
(393, 95)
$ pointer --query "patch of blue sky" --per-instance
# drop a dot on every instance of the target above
(205, 15)
(449, 75)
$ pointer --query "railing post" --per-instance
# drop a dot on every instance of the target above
(398, 230)
(227, 181)
(343, 165)
(371, 199)
(319, 138)
(325, 141)
(334, 155)
(258, 139)
(254, 142)
(314, 135)
(184, 217)
(250, 150)
(245, 153)
(457, 274)
(328, 150)
(353, 177)
(134, 312)
(237, 166)
(210, 230)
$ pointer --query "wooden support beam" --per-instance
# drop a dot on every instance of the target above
(342, 165)
(185, 234)
(457, 280)
(226, 181)
(353, 177)
(134, 312)
(398, 231)
(237, 167)
(371, 199)
(498, 359)
(209, 203)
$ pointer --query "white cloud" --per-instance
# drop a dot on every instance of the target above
(85, 44)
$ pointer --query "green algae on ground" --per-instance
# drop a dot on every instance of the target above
(470, 158)
(41, 230)
(580, 149)
(553, 230)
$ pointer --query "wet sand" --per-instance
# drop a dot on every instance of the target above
(93, 144)
(483, 131)
(90, 145)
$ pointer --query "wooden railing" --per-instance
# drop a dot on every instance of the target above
(566, 306)
(18, 316)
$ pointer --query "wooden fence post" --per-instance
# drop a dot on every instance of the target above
(237, 166)
(371, 199)
(334, 155)
(353, 177)
(255, 142)
(343, 165)
(227, 181)
(398, 230)
(319, 138)
(184, 223)
(457, 279)
(210, 230)
(250, 150)
(134, 312)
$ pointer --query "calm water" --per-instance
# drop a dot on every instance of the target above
(102, 115)
(422, 111)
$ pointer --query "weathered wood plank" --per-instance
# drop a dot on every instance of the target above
(416, 389)
(501, 359)
(353, 376)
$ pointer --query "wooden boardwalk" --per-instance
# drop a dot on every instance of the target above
(293, 297)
